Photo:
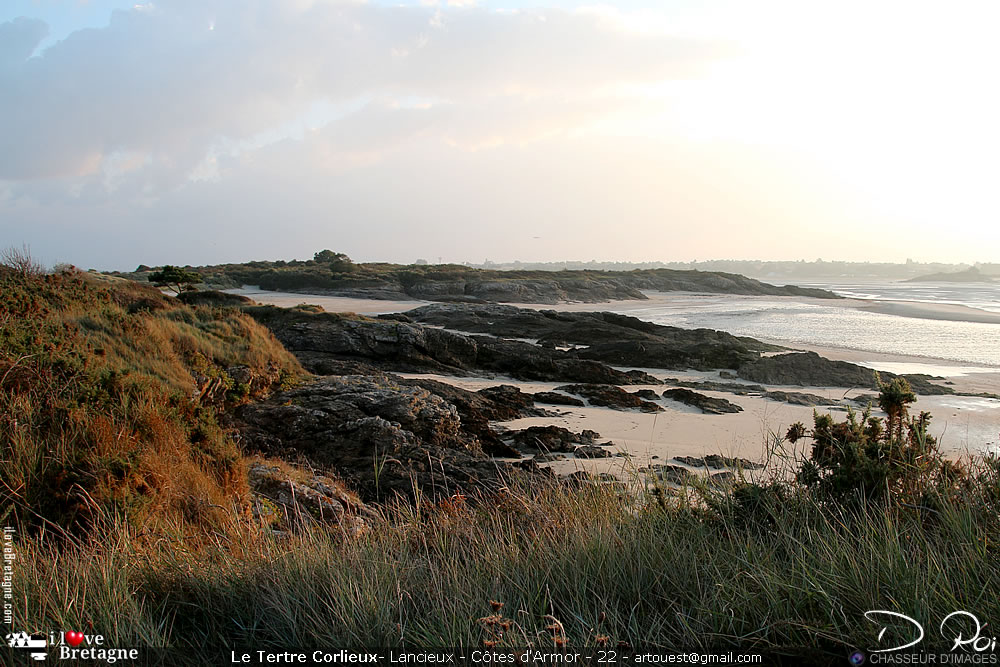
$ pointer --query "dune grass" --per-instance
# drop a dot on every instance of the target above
(543, 566)
(109, 395)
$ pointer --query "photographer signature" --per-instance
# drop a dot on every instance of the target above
(956, 620)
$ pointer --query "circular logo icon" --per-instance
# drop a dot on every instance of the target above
(857, 658)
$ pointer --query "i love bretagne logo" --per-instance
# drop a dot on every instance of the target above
(75, 645)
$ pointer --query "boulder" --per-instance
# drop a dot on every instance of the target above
(707, 404)
(718, 461)
(670, 473)
(555, 398)
(550, 439)
(647, 394)
(292, 497)
(610, 396)
(592, 452)
(383, 437)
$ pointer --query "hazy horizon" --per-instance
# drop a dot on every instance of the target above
(205, 132)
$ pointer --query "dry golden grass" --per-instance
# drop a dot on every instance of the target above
(108, 397)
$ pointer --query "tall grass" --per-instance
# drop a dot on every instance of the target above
(108, 397)
(610, 566)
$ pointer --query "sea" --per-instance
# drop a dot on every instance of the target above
(831, 324)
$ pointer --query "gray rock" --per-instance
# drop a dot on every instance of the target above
(718, 461)
(707, 404)
(298, 498)
(591, 452)
(318, 339)
(383, 437)
(610, 396)
(555, 398)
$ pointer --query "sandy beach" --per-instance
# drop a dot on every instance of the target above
(962, 424)
(929, 311)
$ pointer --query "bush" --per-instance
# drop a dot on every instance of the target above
(870, 458)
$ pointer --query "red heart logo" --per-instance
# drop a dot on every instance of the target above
(73, 638)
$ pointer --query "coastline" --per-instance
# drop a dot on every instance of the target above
(930, 311)
(963, 424)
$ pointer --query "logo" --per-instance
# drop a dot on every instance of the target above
(856, 658)
(961, 628)
(25, 641)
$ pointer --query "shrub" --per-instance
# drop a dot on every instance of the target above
(872, 458)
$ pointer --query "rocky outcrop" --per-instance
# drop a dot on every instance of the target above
(454, 284)
(810, 369)
(738, 388)
(707, 404)
(321, 341)
(610, 396)
(806, 369)
(384, 437)
(606, 337)
(478, 408)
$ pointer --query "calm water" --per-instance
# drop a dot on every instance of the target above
(838, 326)
(984, 296)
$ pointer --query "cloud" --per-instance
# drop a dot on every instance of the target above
(18, 39)
(175, 80)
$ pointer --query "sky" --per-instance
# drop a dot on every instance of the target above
(208, 131)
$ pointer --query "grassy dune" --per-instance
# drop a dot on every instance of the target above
(109, 395)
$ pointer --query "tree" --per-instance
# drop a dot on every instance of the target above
(329, 257)
(337, 261)
(176, 278)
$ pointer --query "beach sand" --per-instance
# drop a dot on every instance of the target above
(963, 425)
